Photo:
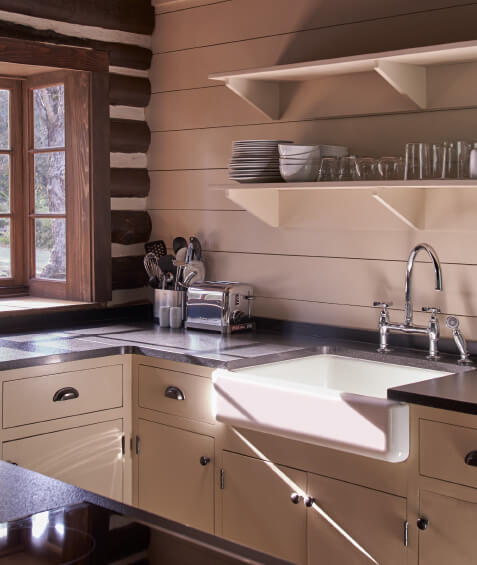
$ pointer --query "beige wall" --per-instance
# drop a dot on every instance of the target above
(306, 274)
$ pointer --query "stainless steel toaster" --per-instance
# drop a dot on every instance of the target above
(220, 306)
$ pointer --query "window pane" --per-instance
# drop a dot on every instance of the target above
(5, 254)
(50, 182)
(4, 119)
(50, 248)
(4, 183)
(49, 116)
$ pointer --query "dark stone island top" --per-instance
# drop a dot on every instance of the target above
(24, 492)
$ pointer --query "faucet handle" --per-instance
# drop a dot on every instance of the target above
(432, 309)
(383, 305)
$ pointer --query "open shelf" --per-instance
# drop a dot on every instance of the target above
(418, 205)
(406, 70)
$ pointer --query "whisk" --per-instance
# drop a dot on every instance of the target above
(151, 264)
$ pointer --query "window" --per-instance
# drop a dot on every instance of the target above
(46, 240)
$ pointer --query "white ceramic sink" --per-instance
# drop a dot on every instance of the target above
(327, 400)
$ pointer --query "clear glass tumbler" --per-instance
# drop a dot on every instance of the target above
(347, 168)
(449, 160)
(328, 169)
(391, 168)
(463, 149)
(417, 161)
(437, 156)
(367, 168)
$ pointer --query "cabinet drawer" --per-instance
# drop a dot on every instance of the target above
(31, 400)
(443, 448)
(196, 392)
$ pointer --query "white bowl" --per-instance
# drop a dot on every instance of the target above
(300, 172)
(289, 150)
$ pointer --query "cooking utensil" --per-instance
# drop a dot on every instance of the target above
(157, 247)
(197, 268)
(197, 248)
(181, 255)
(178, 243)
(152, 266)
(166, 263)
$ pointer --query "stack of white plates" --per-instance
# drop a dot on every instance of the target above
(256, 160)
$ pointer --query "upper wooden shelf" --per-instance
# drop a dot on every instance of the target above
(421, 205)
(405, 70)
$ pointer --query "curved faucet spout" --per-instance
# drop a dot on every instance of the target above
(410, 264)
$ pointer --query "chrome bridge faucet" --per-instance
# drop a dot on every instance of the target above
(432, 330)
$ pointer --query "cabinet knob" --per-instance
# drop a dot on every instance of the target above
(422, 523)
(204, 460)
(471, 458)
(308, 501)
(174, 392)
(295, 497)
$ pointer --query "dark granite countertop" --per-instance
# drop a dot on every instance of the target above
(457, 391)
(25, 492)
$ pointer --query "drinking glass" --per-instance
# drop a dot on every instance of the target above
(462, 159)
(437, 158)
(328, 169)
(449, 160)
(417, 163)
(347, 169)
(367, 168)
(390, 168)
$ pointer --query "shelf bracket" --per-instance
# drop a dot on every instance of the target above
(264, 204)
(407, 204)
(409, 80)
(261, 94)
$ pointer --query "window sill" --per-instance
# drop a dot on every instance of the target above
(35, 305)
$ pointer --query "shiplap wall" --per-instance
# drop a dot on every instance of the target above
(311, 275)
(128, 160)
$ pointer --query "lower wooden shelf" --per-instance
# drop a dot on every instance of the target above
(449, 205)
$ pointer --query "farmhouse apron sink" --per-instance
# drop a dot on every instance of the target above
(328, 400)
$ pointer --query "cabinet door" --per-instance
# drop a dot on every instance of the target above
(257, 510)
(450, 535)
(373, 520)
(172, 481)
(89, 457)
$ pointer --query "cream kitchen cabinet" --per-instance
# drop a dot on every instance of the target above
(90, 457)
(71, 421)
(447, 530)
(176, 474)
(340, 522)
(259, 508)
(347, 523)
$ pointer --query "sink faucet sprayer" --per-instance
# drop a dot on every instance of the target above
(432, 329)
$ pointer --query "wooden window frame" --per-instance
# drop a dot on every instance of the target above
(84, 72)
(16, 283)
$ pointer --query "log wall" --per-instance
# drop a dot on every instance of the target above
(123, 29)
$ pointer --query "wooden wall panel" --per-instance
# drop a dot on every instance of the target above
(231, 21)
(328, 276)
(370, 135)
(324, 98)
(240, 232)
(189, 68)
(188, 190)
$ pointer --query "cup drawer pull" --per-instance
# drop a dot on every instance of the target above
(66, 393)
(471, 458)
(174, 393)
